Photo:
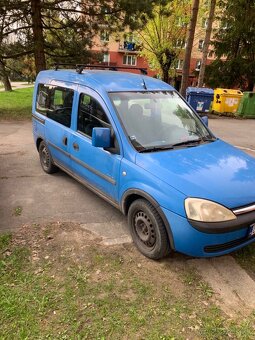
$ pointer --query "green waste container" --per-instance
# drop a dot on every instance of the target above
(246, 108)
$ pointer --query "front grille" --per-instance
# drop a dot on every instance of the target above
(228, 245)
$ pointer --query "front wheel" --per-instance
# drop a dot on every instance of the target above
(46, 160)
(148, 230)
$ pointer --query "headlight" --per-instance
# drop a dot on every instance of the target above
(207, 211)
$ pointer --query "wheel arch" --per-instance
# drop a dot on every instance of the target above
(38, 142)
(133, 194)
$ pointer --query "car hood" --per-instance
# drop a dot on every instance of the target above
(216, 171)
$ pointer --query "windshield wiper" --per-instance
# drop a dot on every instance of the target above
(208, 139)
(156, 148)
(194, 142)
(191, 142)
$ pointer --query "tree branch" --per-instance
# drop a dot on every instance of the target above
(15, 30)
(12, 56)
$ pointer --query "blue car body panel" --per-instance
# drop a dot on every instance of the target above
(198, 171)
(190, 241)
(214, 171)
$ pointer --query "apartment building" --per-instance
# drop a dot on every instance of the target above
(123, 50)
(120, 50)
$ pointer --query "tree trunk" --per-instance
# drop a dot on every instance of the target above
(165, 74)
(186, 63)
(251, 85)
(40, 62)
(165, 60)
(206, 44)
(4, 77)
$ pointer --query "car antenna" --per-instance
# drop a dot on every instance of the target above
(144, 85)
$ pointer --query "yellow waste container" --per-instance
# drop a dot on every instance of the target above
(226, 100)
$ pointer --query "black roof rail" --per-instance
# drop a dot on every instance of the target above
(80, 67)
(57, 65)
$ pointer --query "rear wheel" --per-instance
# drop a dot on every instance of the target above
(46, 160)
(148, 230)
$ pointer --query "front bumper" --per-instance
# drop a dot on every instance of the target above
(191, 241)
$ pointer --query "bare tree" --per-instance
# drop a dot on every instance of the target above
(191, 33)
(206, 43)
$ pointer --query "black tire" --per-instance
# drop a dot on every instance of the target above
(148, 230)
(46, 160)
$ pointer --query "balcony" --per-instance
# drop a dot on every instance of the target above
(128, 47)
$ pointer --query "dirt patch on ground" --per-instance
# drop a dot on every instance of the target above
(64, 282)
(69, 240)
(226, 283)
(55, 242)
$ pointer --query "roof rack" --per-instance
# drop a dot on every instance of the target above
(80, 67)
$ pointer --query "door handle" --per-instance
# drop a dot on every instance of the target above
(64, 140)
(76, 146)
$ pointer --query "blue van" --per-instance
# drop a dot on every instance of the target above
(135, 142)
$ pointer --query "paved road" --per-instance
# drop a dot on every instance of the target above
(237, 132)
(58, 197)
(42, 197)
(18, 85)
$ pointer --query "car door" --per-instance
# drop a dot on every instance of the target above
(58, 125)
(98, 167)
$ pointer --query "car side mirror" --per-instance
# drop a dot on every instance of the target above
(101, 137)
(205, 120)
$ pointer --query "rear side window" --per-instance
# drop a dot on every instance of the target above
(55, 102)
(91, 114)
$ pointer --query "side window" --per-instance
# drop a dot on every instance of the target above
(55, 102)
(90, 115)
(42, 99)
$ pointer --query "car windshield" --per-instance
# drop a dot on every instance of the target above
(158, 120)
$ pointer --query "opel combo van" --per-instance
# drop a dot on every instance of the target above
(135, 142)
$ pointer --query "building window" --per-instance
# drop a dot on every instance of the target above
(177, 64)
(200, 44)
(204, 22)
(198, 65)
(130, 37)
(129, 42)
(130, 46)
(129, 60)
(180, 43)
(180, 64)
(104, 36)
(106, 57)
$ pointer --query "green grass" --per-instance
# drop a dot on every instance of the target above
(16, 104)
(17, 211)
(5, 240)
(101, 294)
